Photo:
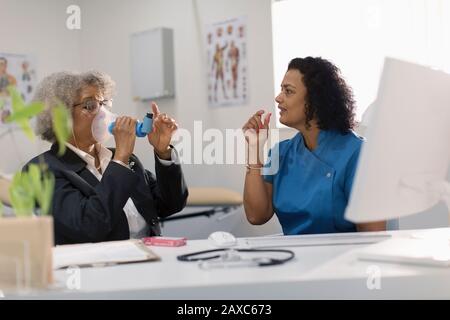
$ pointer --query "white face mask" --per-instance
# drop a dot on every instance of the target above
(100, 125)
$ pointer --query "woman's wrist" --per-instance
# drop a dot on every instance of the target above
(254, 155)
(254, 169)
(121, 163)
(164, 154)
(121, 157)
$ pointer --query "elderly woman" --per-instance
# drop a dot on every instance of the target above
(106, 194)
(311, 188)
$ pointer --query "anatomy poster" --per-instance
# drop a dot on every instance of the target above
(16, 70)
(227, 63)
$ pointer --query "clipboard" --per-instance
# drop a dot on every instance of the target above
(102, 254)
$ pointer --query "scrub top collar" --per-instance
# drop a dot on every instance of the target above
(322, 141)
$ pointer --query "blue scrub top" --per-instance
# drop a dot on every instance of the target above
(311, 188)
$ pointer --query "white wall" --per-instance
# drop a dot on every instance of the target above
(37, 28)
(106, 47)
(106, 27)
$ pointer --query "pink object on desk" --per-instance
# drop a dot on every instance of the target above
(164, 241)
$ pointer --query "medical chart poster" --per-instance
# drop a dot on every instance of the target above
(226, 44)
(19, 71)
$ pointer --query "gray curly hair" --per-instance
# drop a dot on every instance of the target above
(66, 87)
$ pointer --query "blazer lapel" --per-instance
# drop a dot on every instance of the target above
(72, 162)
(89, 177)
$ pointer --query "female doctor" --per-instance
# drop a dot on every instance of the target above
(310, 186)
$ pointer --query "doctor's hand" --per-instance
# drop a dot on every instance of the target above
(163, 129)
(256, 130)
(125, 137)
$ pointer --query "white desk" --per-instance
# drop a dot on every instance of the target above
(318, 272)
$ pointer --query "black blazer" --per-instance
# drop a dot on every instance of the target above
(87, 210)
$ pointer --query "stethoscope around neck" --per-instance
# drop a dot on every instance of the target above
(230, 257)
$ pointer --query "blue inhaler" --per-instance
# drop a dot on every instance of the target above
(142, 128)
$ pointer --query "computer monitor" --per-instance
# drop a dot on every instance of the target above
(404, 161)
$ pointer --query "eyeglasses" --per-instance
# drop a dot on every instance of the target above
(92, 106)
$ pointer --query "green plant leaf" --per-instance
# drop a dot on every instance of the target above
(26, 113)
(36, 185)
(26, 128)
(21, 194)
(43, 184)
(1, 209)
(17, 102)
(48, 187)
(21, 113)
(62, 125)
(34, 177)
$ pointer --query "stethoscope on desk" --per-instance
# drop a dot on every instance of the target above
(229, 258)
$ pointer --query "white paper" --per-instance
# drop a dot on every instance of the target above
(99, 253)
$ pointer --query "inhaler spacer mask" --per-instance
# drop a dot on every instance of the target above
(104, 122)
(100, 124)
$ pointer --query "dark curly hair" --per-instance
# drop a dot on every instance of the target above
(329, 99)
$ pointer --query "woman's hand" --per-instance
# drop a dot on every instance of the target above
(125, 136)
(257, 193)
(255, 130)
(161, 135)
